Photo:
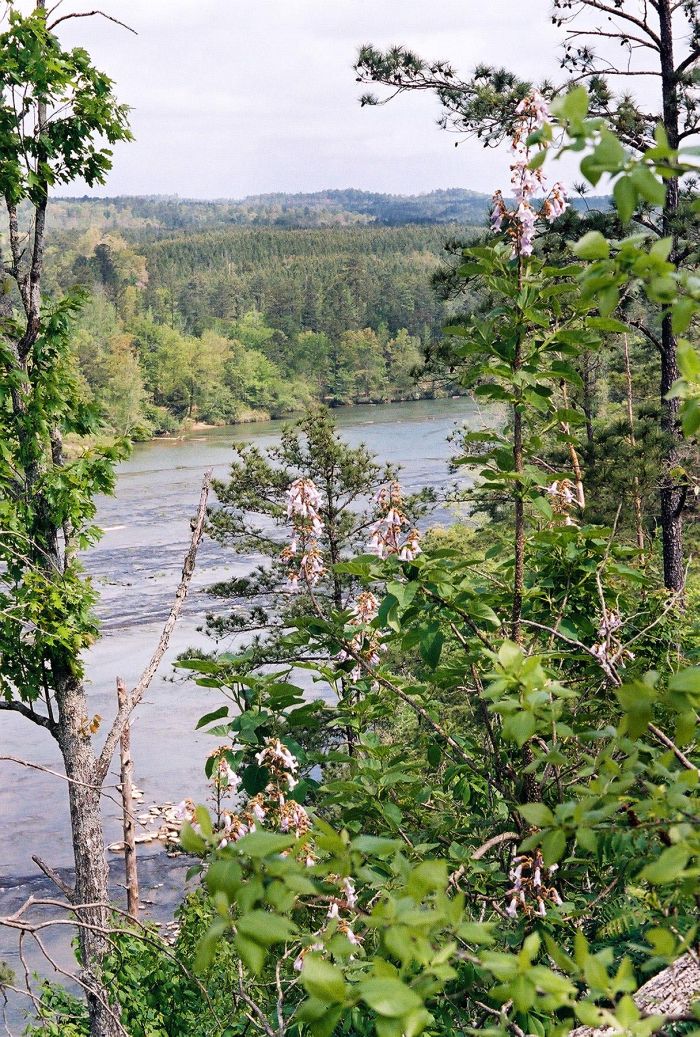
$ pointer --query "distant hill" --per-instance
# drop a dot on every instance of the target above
(149, 216)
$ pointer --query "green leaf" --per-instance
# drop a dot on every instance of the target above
(190, 841)
(207, 945)
(592, 246)
(265, 928)
(553, 846)
(625, 198)
(573, 106)
(323, 980)
(537, 814)
(523, 993)
(519, 727)
(251, 953)
(509, 654)
(204, 820)
(668, 867)
(262, 844)
(650, 188)
(209, 718)
(375, 846)
(389, 997)
(325, 1026)
(431, 645)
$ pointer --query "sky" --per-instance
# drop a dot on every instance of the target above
(238, 97)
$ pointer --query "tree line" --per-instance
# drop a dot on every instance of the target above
(233, 323)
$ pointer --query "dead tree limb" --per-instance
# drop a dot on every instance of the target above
(137, 693)
(669, 993)
(130, 867)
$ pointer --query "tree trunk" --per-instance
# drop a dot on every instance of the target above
(91, 875)
(131, 877)
(672, 495)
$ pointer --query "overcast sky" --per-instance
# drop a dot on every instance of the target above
(236, 97)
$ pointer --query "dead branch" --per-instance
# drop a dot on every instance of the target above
(54, 877)
(47, 770)
(669, 993)
(90, 14)
(137, 693)
(496, 840)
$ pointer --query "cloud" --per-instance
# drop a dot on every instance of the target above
(235, 97)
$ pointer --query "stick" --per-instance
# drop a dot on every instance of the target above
(136, 695)
(130, 868)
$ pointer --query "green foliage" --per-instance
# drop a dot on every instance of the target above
(81, 107)
(252, 505)
(517, 816)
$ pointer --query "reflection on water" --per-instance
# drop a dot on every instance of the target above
(136, 567)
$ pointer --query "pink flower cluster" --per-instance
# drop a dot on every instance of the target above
(531, 115)
(366, 644)
(531, 886)
(387, 532)
(303, 504)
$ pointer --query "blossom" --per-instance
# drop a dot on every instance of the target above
(365, 607)
(294, 818)
(528, 892)
(184, 811)
(386, 531)
(350, 893)
(303, 503)
(556, 204)
(299, 960)
(275, 753)
(531, 114)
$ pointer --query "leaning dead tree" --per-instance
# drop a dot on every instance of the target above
(670, 993)
(58, 120)
(611, 45)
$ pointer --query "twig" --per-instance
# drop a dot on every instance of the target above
(54, 877)
(47, 770)
(665, 740)
(496, 840)
(90, 14)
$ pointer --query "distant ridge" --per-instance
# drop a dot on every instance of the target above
(332, 208)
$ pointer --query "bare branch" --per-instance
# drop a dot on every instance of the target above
(136, 695)
(616, 12)
(665, 740)
(67, 890)
(90, 14)
(496, 840)
(26, 711)
(47, 770)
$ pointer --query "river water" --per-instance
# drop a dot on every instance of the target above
(136, 567)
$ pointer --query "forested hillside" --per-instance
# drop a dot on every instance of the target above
(147, 215)
(228, 323)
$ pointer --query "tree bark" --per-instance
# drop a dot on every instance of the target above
(670, 993)
(91, 892)
(672, 496)
(131, 877)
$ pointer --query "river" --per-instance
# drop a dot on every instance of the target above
(136, 566)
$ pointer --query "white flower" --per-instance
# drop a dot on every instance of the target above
(350, 892)
(333, 911)
(258, 811)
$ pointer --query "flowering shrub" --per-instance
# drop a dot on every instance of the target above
(508, 841)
